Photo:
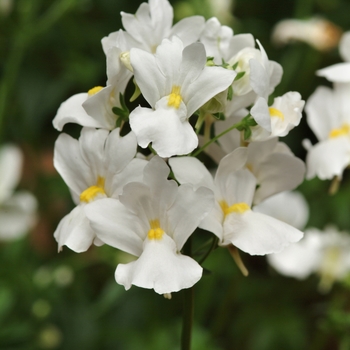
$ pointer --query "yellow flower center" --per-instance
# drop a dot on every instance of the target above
(155, 232)
(175, 97)
(90, 193)
(274, 112)
(95, 90)
(342, 131)
(238, 208)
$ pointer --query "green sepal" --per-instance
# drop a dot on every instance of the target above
(219, 116)
(229, 93)
(235, 66)
(247, 133)
(239, 76)
(137, 92)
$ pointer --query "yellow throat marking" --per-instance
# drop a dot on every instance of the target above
(238, 208)
(155, 232)
(90, 193)
(344, 130)
(274, 112)
(95, 90)
(175, 97)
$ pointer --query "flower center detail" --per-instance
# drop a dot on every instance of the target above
(175, 97)
(93, 191)
(276, 113)
(95, 90)
(344, 130)
(155, 232)
(238, 208)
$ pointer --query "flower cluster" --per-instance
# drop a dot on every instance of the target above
(134, 175)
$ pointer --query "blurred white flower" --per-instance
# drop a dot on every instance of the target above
(325, 253)
(319, 33)
(17, 209)
(329, 118)
(339, 72)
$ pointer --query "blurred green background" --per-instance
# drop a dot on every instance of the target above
(50, 50)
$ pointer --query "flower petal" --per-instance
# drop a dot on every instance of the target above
(258, 234)
(160, 268)
(115, 225)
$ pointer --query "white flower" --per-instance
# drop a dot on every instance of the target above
(152, 221)
(94, 108)
(17, 210)
(277, 120)
(152, 23)
(272, 163)
(97, 166)
(220, 42)
(175, 82)
(232, 220)
(325, 253)
(328, 116)
(318, 32)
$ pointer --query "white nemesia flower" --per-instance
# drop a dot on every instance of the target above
(325, 253)
(277, 120)
(328, 115)
(272, 163)
(152, 221)
(97, 166)
(17, 210)
(220, 43)
(232, 220)
(175, 82)
(94, 108)
(152, 23)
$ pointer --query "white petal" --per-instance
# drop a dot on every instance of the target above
(258, 234)
(17, 215)
(160, 268)
(74, 231)
(213, 222)
(259, 79)
(115, 225)
(321, 111)
(70, 164)
(148, 77)
(337, 73)
(188, 29)
(72, 111)
(191, 170)
(301, 259)
(278, 172)
(328, 158)
(289, 207)
(261, 114)
(344, 46)
(11, 160)
(188, 210)
(166, 127)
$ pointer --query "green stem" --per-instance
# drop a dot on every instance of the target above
(234, 126)
(188, 308)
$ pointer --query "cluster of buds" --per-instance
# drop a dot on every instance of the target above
(135, 176)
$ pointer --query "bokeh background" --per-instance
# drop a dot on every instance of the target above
(50, 50)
